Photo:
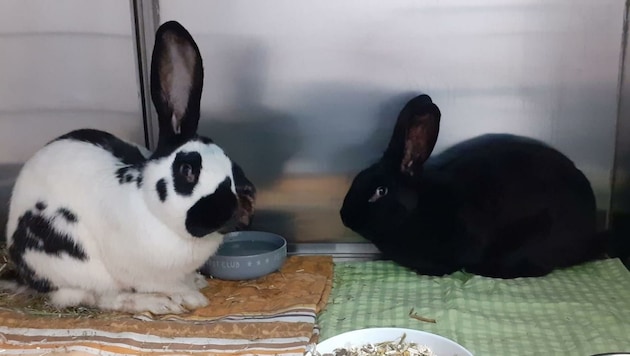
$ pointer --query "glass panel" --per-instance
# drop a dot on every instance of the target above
(304, 94)
(65, 64)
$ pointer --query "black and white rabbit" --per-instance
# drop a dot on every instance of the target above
(93, 221)
(497, 205)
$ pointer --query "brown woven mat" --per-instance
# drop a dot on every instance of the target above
(241, 318)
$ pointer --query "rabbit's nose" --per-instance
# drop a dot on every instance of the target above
(348, 218)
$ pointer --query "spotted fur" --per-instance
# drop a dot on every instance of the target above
(97, 221)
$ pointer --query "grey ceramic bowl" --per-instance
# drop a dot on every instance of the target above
(247, 255)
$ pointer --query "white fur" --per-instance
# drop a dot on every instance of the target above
(139, 254)
(134, 242)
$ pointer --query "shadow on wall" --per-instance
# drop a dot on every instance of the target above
(259, 139)
(8, 174)
(278, 221)
(343, 127)
(348, 124)
(361, 155)
(295, 161)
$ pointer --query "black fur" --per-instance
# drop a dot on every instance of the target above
(125, 152)
(49, 230)
(68, 215)
(213, 211)
(496, 205)
(246, 192)
(185, 170)
(166, 149)
(245, 189)
(160, 187)
(36, 232)
(179, 126)
(205, 140)
(130, 174)
(243, 184)
(128, 154)
(173, 34)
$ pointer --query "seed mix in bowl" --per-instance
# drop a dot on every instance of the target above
(398, 347)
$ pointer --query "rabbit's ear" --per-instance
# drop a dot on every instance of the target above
(176, 82)
(415, 135)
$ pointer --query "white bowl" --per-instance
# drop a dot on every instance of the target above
(440, 345)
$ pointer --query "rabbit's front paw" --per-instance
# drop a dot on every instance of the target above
(131, 302)
(160, 304)
(196, 281)
(190, 300)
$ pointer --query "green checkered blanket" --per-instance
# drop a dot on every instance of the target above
(582, 310)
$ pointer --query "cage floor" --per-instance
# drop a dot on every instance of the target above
(582, 310)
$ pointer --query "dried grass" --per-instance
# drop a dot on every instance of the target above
(31, 303)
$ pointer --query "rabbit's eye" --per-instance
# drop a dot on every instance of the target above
(186, 170)
(379, 193)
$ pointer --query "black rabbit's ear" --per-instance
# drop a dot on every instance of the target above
(415, 135)
(176, 82)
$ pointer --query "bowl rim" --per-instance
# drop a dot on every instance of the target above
(226, 238)
(395, 329)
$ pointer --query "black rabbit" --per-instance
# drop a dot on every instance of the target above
(497, 205)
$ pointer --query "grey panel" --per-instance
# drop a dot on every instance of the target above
(621, 182)
(620, 204)
(304, 93)
(65, 65)
(8, 172)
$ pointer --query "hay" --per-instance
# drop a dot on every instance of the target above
(32, 303)
(5, 265)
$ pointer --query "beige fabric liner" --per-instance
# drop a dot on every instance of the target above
(302, 285)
